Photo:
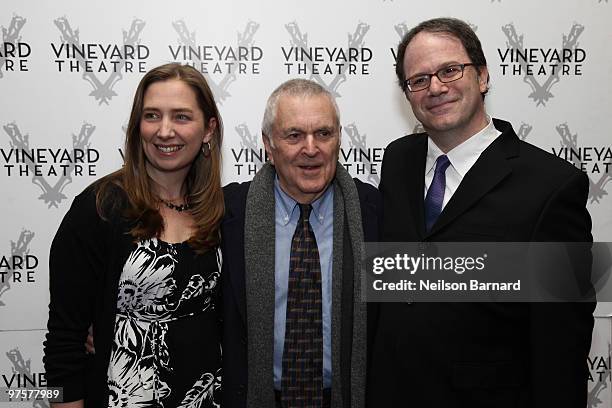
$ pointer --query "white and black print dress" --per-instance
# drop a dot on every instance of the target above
(166, 348)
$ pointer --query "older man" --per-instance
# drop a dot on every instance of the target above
(294, 327)
(470, 178)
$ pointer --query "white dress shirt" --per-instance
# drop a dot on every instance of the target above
(461, 157)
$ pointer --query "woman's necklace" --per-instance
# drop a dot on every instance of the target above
(179, 207)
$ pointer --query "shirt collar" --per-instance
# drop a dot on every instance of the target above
(463, 156)
(287, 205)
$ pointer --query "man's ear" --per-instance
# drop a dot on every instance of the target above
(483, 79)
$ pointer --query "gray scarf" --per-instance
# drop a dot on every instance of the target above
(259, 242)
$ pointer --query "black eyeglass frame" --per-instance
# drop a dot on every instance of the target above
(444, 81)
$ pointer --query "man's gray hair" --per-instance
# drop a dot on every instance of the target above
(293, 87)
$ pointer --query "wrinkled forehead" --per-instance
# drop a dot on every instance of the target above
(301, 110)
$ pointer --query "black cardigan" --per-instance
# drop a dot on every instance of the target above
(85, 263)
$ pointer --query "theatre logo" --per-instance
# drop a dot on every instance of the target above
(102, 64)
(524, 130)
(249, 158)
(401, 29)
(596, 161)
(21, 375)
(14, 52)
(20, 267)
(330, 66)
(120, 149)
(359, 159)
(541, 67)
(50, 168)
(599, 378)
(221, 64)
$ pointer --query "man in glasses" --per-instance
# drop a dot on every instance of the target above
(469, 178)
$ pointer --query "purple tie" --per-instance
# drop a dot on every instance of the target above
(435, 193)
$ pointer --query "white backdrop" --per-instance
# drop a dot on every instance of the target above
(67, 111)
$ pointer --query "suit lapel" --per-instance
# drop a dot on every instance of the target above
(489, 170)
(415, 173)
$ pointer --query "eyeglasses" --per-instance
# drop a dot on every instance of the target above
(445, 75)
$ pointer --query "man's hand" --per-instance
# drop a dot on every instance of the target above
(89, 344)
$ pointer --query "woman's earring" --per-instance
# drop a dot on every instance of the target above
(206, 149)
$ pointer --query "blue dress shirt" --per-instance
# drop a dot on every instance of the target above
(287, 214)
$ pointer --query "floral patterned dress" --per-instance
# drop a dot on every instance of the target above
(166, 350)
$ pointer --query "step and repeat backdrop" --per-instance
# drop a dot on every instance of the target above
(69, 69)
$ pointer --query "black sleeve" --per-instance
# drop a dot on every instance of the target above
(76, 264)
(561, 332)
(370, 201)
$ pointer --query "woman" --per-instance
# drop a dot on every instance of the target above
(137, 258)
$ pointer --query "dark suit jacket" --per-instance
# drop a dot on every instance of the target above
(233, 286)
(483, 354)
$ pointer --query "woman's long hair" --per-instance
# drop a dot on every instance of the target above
(203, 181)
